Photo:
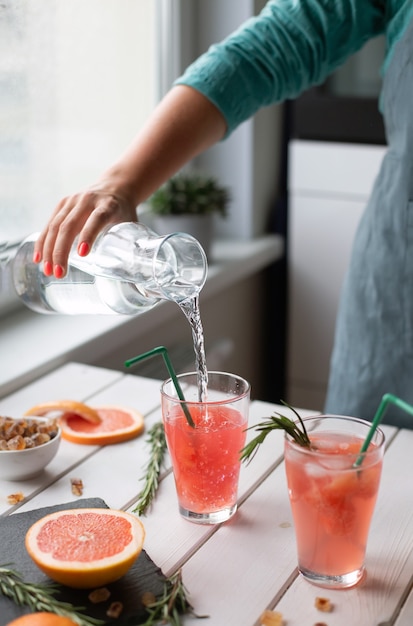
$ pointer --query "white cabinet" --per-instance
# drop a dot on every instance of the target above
(329, 184)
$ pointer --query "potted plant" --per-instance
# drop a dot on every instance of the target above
(187, 203)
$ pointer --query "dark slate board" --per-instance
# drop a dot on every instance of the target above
(143, 576)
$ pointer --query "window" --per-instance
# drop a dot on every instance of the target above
(77, 80)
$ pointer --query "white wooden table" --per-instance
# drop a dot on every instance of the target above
(235, 571)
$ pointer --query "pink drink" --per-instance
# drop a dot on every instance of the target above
(206, 458)
(332, 500)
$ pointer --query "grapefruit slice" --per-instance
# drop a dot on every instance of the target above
(85, 548)
(117, 423)
(83, 410)
(42, 619)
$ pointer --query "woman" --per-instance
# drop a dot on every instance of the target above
(290, 46)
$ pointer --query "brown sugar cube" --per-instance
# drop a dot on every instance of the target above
(14, 498)
(271, 618)
(15, 428)
(16, 443)
(39, 438)
(77, 486)
(99, 595)
(31, 427)
(148, 598)
(115, 610)
(323, 604)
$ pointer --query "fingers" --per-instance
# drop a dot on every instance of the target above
(85, 215)
(55, 241)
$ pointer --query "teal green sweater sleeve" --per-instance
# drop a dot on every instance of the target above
(290, 46)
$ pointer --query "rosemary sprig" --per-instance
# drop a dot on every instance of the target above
(40, 597)
(276, 422)
(172, 605)
(156, 440)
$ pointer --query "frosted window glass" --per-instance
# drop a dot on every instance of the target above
(77, 80)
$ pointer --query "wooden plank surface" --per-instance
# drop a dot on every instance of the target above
(236, 570)
(236, 574)
(72, 381)
(405, 618)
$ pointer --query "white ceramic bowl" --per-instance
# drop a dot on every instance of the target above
(28, 463)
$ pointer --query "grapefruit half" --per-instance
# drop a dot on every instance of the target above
(117, 423)
(85, 548)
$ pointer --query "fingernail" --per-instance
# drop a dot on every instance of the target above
(58, 271)
(36, 257)
(83, 248)
(47, 268)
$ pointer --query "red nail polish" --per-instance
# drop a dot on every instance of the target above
(36, 257)
(58, 271)
(83, 248)
(47, 268)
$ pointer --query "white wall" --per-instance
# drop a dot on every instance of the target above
(77, 81)
(104, 92)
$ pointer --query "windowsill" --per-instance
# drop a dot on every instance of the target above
(34, 344)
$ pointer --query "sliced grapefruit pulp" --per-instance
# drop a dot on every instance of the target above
(102, 425)
(79, 408)
(116, 424)
(42, 619)
(85, 548)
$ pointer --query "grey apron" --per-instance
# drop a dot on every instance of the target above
(373, 350)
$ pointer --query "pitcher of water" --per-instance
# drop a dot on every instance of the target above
(129, 270)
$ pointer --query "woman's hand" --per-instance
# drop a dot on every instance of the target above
(84, 214)
(184, 124)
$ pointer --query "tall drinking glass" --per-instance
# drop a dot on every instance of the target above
(206, 457)
(333, 492)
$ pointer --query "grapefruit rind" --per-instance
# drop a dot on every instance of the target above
(79, 573)
(78, 431)
(83, 410)
(42, 618)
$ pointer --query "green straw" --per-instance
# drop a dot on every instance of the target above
(164, 352)
(387, 399)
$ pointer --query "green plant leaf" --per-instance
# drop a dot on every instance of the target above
(296, 430)
(190, 194)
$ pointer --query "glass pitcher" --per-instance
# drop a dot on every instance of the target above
(129, 270)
